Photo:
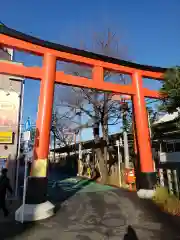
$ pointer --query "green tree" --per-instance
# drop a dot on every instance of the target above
(171, 89)
(33, 134)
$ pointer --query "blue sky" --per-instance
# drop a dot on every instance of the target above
(149, 30)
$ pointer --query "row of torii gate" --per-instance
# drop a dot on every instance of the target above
(37, 206)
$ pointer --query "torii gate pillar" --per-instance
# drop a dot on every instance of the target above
(36, 206)
(147, 178)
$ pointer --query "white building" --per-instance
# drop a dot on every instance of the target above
(170, 137)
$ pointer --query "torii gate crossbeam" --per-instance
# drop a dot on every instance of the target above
(48, 75)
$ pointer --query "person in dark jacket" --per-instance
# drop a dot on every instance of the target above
(4, 186)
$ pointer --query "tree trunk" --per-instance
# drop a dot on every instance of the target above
(99, 157)
(105, 153)
(97, 140)
(125, 138)
(104, 125)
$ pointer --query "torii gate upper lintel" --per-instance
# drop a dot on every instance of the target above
(48, 75)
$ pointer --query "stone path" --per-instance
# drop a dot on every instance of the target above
(92, 214)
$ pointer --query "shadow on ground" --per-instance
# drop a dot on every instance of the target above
(11, 229)
(59, 190)
(130, 234)
(63, 186)
(152, 218)
(111, 214)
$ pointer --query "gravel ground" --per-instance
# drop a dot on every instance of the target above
(87, 215)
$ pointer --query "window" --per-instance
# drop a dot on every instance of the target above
(163, 147)
(170, 147)
(177, 147)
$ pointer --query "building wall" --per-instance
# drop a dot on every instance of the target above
(170, 157)
(10, 98)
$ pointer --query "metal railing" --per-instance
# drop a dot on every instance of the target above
(169, 176)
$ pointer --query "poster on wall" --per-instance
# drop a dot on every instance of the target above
(10, 92)
(9, 110)
(9, 116)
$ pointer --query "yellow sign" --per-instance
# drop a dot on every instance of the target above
(6, 137)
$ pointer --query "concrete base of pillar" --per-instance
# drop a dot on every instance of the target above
(146, 193)
(35, 212)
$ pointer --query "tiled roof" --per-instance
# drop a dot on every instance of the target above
(167, 118)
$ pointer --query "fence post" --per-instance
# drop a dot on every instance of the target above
(176, 182)
(170, 185)
(161, 177)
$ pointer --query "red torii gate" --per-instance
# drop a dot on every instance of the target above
(48, 75)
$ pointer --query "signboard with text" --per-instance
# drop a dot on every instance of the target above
(26, 136)
(28, 125)
(6, 137)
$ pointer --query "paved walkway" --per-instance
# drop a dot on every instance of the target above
(95, 212)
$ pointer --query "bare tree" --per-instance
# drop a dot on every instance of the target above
(97, 105)
(63, 128)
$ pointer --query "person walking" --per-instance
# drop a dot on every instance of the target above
(4, 186)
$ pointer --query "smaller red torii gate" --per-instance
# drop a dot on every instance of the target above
(51, 52)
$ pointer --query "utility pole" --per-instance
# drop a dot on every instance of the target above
(149, 124)
(80, 142)
(124, 109)
(118, 144)
(54, 147)
(54, 122)
(125, 136)
(150, 134)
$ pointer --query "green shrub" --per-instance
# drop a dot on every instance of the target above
(161, 195)
(169, 203)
